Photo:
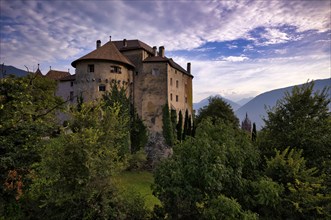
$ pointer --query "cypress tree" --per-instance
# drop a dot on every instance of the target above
(254, 133)
(167, 126)
(185, 124)
(179, 126)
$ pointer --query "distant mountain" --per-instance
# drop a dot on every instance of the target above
(244, 101)
(256, 107)
(204, 102)
(7, 70)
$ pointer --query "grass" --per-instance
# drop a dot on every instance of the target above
(139, 181)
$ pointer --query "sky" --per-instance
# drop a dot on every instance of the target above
(237, 49)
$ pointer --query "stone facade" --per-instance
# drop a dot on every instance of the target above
(150, 77)
(151, 80)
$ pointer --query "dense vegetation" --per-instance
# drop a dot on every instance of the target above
(216, 171)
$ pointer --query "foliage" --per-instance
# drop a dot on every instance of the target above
(118, 97)
(218, 161)
(167, 126)
(303, 195)
(74, 177)
(218, 109)
(27, 114)
(254, 133)
(179, 126)
(301, 119)
(137, 160)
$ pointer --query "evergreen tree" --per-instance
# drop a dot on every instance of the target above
(300, 119)
(179, 126)
(186, 119)
(167, 126)
(254, 134)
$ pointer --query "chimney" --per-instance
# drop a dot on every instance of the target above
(109, 38)
(188, 69)
(161, 51)
(98, 43)
(154, 51)
(50, 67)
(125, 43)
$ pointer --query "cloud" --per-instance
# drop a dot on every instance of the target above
(234, 58)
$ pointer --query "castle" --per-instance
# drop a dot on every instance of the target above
(151, 79)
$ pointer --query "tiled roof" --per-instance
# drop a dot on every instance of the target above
(56, 74)
(38, 72)
(132, 45)
(69, 78)
(106, 52)
(169, 60)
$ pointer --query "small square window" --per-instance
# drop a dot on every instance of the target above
(71, 83)
(102, 88)
(90, 68)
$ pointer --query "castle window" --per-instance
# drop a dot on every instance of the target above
(90, 68)
(115, 69)
(71, 83)
(185, 99)
(155, 71)
(170, 81)
(177, 83)
(102, 88)
(170, 96)
(176, 98)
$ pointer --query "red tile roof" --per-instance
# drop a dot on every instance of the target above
(132, 45)
(106, 52)
(56, 74)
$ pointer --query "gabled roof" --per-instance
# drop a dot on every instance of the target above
(38, 72)
(108, 52)
(56, 74)
(168, 60)
(132, 45)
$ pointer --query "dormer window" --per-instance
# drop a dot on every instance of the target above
(115, 69)
(90, 68)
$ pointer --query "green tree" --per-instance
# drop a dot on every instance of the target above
(74, 178)
(218, 109)
(254, 133)
(203, 170)
(186, 122)
(27, 115)
(167, 126)
(300, 193)
(302, 120)
(179, 126)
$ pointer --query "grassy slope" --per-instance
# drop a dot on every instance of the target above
(139, 181)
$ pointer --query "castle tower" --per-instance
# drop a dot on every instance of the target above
(246, 125)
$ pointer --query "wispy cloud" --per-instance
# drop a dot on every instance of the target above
(247, 38)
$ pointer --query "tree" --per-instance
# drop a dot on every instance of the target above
(204, 170)
(179, 126)
(218, 109)
(167, 126)
(300, 193)
(27, 115)
(301, 119)
(186, 124)
(254, 134)
(74, 179)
